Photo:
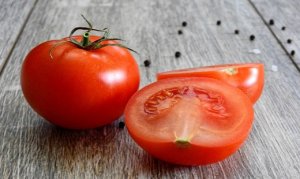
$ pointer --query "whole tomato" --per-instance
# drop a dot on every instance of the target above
(77, 84)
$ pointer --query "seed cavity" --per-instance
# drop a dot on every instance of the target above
(165, 99)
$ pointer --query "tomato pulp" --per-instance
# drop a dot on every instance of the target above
(189, 121)
(79, 88)
(248, 77)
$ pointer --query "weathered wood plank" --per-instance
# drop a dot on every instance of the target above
(33, 148)
(284, 14)
(13, 17)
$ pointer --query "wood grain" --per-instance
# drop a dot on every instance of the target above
(285, 14)
(33, 148)
(13, 17)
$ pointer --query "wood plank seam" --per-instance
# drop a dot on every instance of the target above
(17, 39)
(274, 35)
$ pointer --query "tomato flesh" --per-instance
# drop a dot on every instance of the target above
(189, 121)
(248, 77)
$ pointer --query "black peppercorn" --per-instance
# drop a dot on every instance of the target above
(289, 41)
(271, 22)
(292, 52)
(218, 22)
(177, 54)
(283, 28)
(147, 63)
(121, 125)
(184, 23)
(179, 32)
(252, 37)
(236, 31)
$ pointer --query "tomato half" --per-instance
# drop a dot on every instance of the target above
(79, 88)
(189, 121)
(247, 77)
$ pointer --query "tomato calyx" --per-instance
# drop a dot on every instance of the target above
(86, 44)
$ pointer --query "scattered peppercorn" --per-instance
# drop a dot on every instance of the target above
(177, 54)
(252, 37)
(289, 41)
(179, 32)
(236, 31)
(292, 52)
(271, 22)
(283, 28)
(218, 22)
(121, 125)
(147, 63)
(184, 23)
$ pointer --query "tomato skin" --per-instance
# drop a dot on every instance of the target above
(193, 155)
(79, 89)
(211, 141)
(248, 77)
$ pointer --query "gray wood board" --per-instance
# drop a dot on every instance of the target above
(13, 17)
(284, 13)
(33, 148)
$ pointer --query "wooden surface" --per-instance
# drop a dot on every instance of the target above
(284, 13)
(33, 148)
(13, 17)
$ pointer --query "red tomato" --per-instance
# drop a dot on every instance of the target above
(79, 88)
(189, 121)
(248, 77)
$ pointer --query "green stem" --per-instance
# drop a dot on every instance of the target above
(85, 39)
(86, 44)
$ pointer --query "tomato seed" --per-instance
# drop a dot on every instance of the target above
(152, 102)
(151, 108)
(252, 37)
(121, 125)
(289, 41)
(177, 54)
(160, 97)
(167, 93)
(147, 63)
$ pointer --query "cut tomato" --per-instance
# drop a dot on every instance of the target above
(189, 121)
(248, 77)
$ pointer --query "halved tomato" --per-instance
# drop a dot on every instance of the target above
(248, 77)
(189, 121)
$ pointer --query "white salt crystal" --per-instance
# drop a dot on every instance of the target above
(255, 51)
(274, 68)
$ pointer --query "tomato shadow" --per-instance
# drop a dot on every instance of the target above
(223, 169)
(68, 149)
(152, 166)
(105, 150)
